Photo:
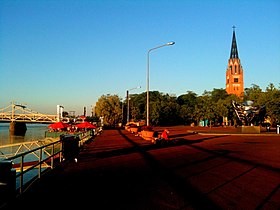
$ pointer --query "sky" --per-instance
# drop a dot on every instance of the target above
(70, 53)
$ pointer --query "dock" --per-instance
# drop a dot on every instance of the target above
(121, 171)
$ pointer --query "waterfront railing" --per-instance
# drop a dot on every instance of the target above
(20, 169)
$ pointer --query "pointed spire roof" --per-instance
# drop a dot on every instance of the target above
(233, 52)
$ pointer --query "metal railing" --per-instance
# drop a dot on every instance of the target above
(19, 171)
(23, 165)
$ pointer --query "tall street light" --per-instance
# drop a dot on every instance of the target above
(148, 72)
(127, 98)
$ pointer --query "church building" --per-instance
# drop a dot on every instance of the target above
(234, 72)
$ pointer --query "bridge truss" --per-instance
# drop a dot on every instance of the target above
(20, 113)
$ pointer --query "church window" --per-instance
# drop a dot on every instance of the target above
(235, 80)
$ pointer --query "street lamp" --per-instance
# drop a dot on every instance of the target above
(148, 72)
(127, 98)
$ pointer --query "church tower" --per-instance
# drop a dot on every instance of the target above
(234, 72)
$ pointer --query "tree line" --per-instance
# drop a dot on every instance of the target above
(212, 107)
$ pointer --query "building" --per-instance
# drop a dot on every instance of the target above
(234, 72)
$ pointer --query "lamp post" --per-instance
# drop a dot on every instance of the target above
(127, 98)
(148, 72)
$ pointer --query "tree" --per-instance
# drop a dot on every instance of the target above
(109, 107)
(271, 100)
(169, 111)
(218, 105)
(218, 94)
(187, 104)
(139, 106)
(221, 110)
(214, 106)
(208, 107)
(252, 93)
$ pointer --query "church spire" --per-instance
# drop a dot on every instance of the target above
(233, 52)
(234, 73)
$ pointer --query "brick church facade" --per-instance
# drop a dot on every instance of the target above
(234, 72)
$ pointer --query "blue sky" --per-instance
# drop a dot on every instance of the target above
(70, 53)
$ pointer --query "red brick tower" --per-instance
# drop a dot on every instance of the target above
(234, 73)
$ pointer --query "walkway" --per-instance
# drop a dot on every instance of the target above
(120, 171)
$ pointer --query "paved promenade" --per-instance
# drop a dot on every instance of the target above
(121, 171)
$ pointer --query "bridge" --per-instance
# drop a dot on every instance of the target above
(20, 113)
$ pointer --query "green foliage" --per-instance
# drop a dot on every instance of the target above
(109, 107)
(188, 108)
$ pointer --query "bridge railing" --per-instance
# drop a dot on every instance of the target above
(28, 117)
(21, 170)
(20, 113)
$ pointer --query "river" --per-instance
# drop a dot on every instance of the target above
(34, 132)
